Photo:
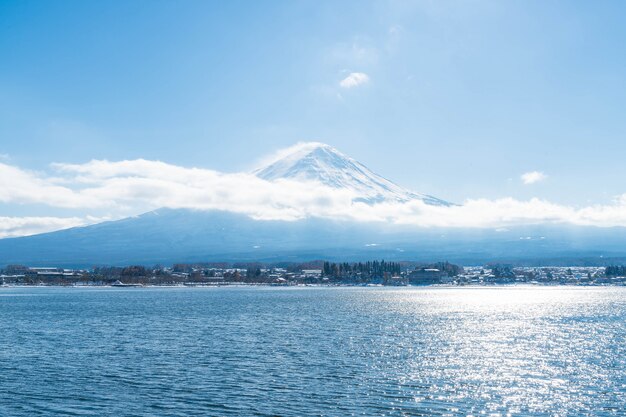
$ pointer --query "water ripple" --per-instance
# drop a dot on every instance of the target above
(313, 351)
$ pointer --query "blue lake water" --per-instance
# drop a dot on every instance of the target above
(540, 351)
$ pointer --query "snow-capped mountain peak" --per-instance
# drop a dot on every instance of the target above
(314, 161)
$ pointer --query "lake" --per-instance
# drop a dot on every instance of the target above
(269, 351)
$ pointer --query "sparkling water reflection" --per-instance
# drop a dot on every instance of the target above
(313, 351)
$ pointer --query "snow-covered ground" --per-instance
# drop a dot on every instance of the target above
(319, 162)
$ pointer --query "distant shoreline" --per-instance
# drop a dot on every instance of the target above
(265, 285)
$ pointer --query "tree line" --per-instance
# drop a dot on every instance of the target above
(615, 271)
(364, 269)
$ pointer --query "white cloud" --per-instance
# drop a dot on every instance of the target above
(140, 185)
(24, 226)
(354, 79)
(131, 187)
(533, 177)
(17, 185)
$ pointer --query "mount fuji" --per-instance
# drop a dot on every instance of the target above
(184, 235)
(324, 164)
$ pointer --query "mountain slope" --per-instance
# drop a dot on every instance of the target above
(167, 236)
(325, 164)
(184, 235)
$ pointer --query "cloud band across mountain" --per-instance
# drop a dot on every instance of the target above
(119, 189)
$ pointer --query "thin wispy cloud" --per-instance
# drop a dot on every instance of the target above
(533, 177)
(395, 30)
(24, 226)
(295, 149)
(354, 79)
(359, 51)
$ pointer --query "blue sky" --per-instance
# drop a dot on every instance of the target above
(456, 99)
